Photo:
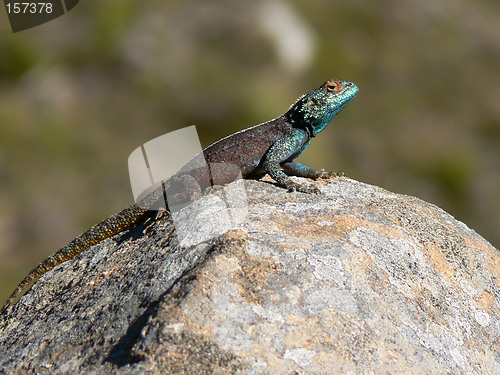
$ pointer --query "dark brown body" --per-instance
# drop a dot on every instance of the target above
(246, 148)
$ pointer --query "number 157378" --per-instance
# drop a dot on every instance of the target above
(33, 8)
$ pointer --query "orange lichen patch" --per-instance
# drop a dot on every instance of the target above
(182, 320)
(304, 332)
(298, 320)
(191, 314)
(493, 256)
(251, 281)
(340, 225)
(354, 334)
(493, 264)
(305, 227)
(439, 261)
(488, 303)
(359, 267)
(347, 223)
(250, 275)
(433, 307)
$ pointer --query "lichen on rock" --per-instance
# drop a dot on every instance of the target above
(357, 279)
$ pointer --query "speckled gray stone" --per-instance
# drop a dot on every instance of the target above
(356, 280)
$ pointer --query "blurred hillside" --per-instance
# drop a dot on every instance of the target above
(78, 94)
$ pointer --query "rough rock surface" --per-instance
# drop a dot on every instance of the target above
(356, 280)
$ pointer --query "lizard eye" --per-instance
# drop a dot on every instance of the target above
(333, 86)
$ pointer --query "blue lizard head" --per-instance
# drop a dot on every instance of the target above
(315, 110)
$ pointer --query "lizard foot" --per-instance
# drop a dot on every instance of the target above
(326, 175)
(303, 188)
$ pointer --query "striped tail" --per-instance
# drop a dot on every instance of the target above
(105, 229)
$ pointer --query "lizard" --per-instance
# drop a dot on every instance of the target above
(268, 147)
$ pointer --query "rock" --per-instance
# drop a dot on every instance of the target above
(355, 280)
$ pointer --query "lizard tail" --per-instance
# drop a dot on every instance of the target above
(105, 229)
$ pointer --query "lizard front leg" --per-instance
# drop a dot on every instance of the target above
(288, 148)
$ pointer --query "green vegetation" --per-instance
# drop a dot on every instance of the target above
(80, 93)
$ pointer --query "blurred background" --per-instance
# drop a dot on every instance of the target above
(80, 93)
